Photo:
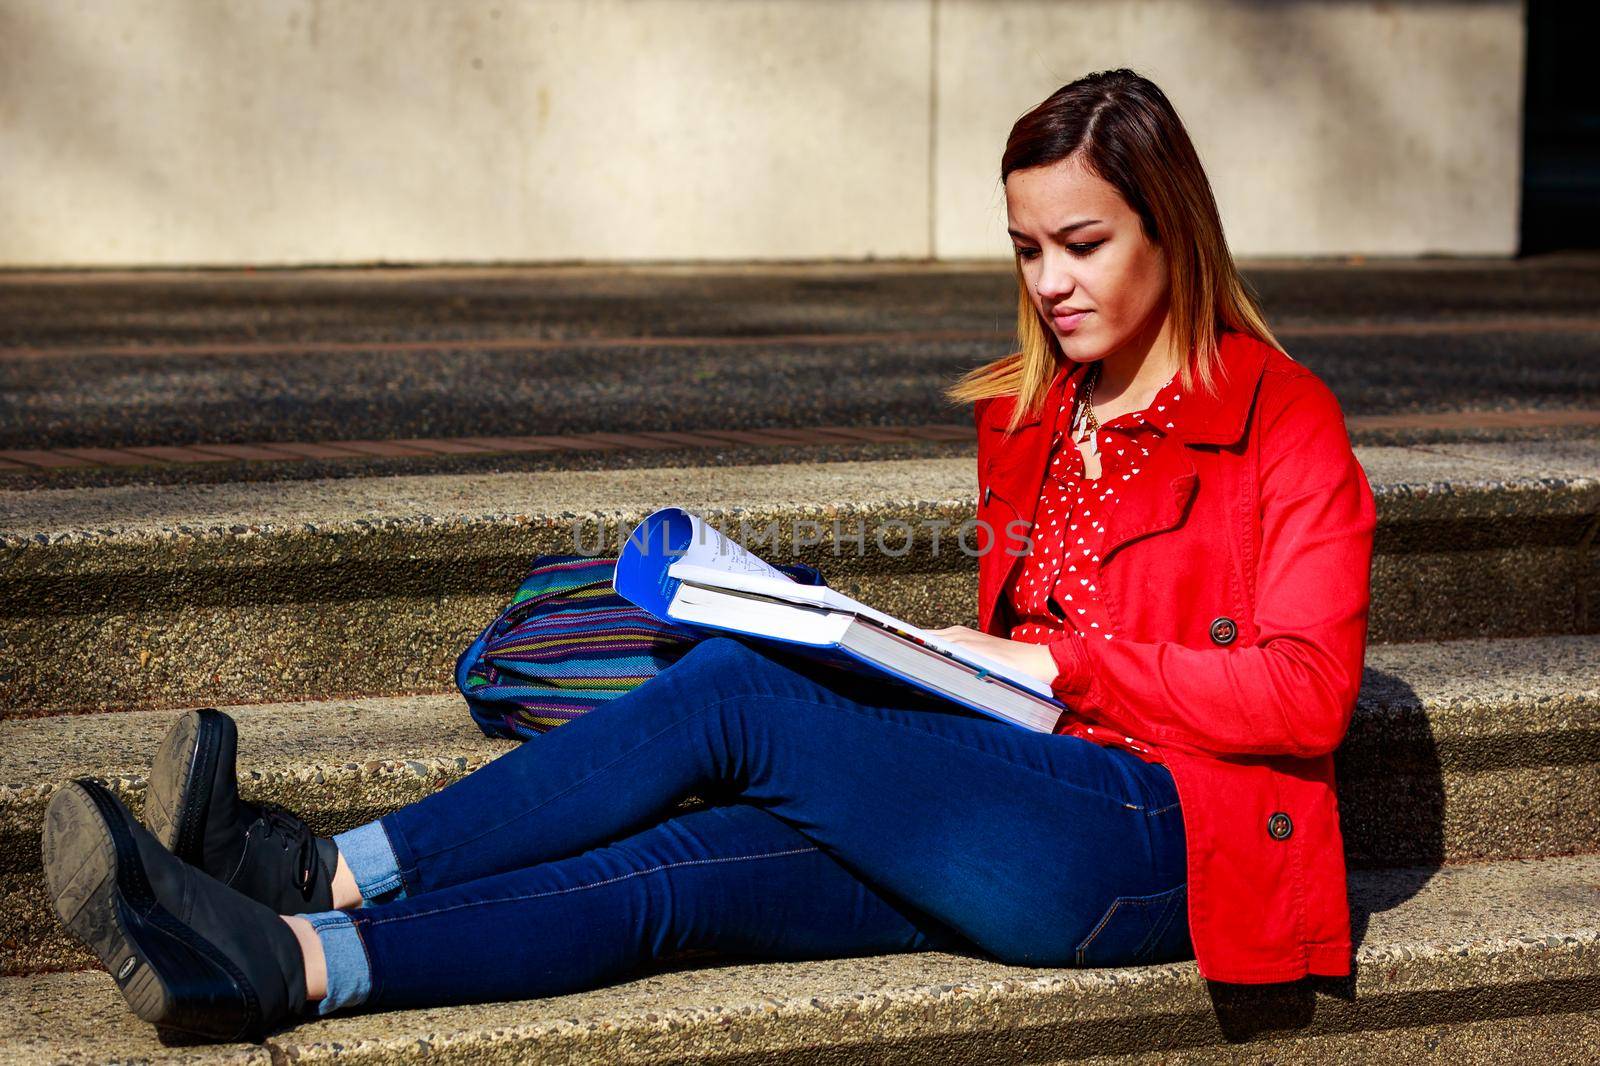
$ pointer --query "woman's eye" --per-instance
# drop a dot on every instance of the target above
(1075, 249)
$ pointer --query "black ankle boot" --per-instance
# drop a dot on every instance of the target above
(193, 808)
(188, 953)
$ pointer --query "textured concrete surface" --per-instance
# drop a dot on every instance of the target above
(426, 389)
(65, 311)
(131, 514)
(1479, 749)
(1473, 749)
(207, 357)
(1445, 955)
(244, 593)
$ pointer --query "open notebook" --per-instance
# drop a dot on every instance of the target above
(680, 569)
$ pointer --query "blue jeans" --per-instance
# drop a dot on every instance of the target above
(848, 817)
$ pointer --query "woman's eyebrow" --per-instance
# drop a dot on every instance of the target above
(1064, 230)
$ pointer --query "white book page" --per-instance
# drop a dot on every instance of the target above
(728, 610)
(777, 583)
(822, 596)
(710, 550)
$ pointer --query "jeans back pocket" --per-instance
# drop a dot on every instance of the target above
(1140, 929)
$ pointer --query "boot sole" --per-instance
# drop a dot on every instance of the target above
(170, 975)
(179, 820)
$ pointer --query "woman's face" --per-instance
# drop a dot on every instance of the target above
(1098, 283)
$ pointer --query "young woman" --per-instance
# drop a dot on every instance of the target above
(1181, 541)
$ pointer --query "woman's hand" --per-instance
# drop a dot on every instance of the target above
(1034, 659)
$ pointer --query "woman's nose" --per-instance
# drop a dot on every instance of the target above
(1055, 283)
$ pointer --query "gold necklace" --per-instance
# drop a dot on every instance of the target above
(1088, 398)
(1086, 409)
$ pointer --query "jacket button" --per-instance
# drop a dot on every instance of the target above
(1279, 826)
(987, 494)
(1223, 630)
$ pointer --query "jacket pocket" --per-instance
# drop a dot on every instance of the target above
(1140, 929)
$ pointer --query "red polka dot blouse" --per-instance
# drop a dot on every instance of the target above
(1070, 522)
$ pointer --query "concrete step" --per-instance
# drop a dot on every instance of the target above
(144, 597)
(1475, 749)
(1455, 964)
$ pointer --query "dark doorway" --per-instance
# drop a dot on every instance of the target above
(1561, 129)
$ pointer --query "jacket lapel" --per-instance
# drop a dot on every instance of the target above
(1205, 420)
(1159, 505)
(1015, 473)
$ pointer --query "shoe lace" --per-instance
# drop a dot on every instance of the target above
(279, 821)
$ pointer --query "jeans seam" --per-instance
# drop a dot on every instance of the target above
(1148, 812)
(1166, 900)
(595, 884)
(406, 870)
(365, 953)
(374, 979)
(1116, 905)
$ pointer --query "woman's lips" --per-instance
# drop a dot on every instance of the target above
(1068, 323)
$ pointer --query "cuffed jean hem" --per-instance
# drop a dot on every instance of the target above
(345, 958)
(370, 856)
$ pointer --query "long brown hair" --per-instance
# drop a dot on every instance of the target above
(1123, 128)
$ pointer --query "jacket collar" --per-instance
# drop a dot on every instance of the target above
(1017, 468)
(1207, 419)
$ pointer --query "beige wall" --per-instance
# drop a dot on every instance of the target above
(1326, 127)
(194, 132)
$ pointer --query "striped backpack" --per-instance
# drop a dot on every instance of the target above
(567, 643)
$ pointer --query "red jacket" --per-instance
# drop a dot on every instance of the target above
(1237, 581)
